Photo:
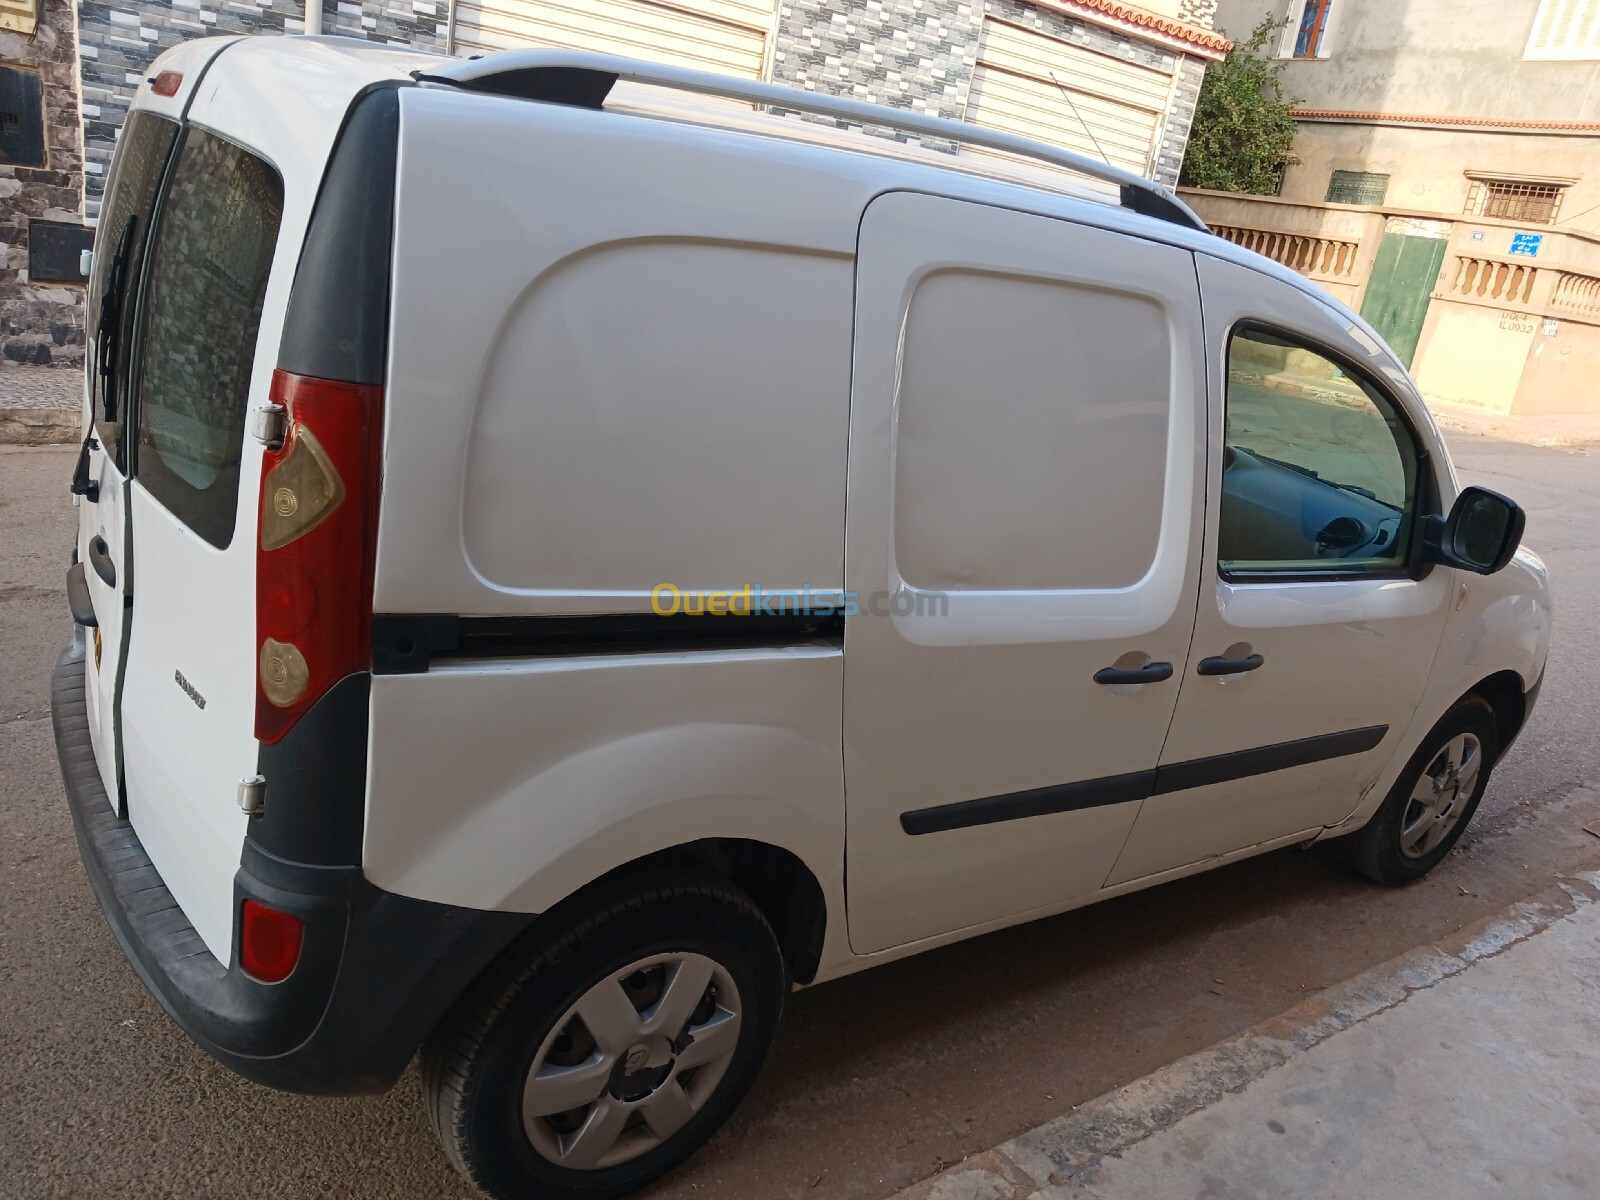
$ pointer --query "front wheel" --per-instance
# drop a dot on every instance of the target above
(1430, 804)
(611, 1048)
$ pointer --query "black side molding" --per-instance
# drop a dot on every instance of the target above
(1037, 802)
(1242, 764)
(406, 643)
(1139, 785)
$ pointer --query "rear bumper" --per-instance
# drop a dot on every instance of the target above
(376, 973)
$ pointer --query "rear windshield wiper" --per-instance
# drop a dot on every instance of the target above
(106, 344)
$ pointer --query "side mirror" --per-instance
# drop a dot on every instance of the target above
(1481, 533)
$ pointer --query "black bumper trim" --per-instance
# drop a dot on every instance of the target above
(376, 973)
(78, 595)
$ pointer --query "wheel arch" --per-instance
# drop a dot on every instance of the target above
(1503, 692)
(778, 882)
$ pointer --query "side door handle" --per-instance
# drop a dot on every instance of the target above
(1217, 665)
(1149, 673)
(100, 560)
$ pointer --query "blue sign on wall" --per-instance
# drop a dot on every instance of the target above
(1526, 244)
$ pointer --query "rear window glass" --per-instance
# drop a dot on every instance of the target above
(141, 157)
(208, 276)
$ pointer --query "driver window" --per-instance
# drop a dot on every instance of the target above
(1319, 471)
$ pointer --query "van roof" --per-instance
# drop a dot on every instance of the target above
(1153, 212)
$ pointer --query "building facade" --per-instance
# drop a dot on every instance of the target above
(1448, 185)
(1106, 78)
(1470, 108)
(41, 184)
(1101, 77)
(119, 39)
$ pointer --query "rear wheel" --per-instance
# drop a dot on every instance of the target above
(1430, 804)
(613, 1047)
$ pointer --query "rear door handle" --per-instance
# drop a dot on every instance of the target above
(82, 485)
(100, 560)
(1228, 666)
(1149, 673)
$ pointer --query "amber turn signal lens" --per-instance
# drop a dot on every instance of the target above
(284, 673)
(299, 491)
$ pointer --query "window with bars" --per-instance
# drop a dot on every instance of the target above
(1357, 187)
(21, 118)
(1313, 24)
(1565, 29)
(1532, 201)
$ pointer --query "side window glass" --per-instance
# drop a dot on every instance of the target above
(141, 158)
(202, 308)
(1319, 472)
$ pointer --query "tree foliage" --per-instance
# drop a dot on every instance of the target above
(1242, 130)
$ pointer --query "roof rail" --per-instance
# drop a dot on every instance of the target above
(584, 79)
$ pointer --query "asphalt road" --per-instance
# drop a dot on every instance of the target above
(876, 1080)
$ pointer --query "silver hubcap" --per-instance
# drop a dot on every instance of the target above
(1443, 791)
(627, 1065)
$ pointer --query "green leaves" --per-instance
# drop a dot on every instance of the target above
(1243, 131)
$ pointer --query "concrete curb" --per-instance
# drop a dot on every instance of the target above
(40, 426)
(1043, 1163)
(1569, 431)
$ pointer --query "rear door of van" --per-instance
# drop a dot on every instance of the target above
(100, 481)
(200, 345)
(188, 698)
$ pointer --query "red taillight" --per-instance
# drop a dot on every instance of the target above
(314, 552)
(166, 83)
(269, 942)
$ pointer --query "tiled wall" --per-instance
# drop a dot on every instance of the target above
(120, 38)
(916, 54)
(920, 54)
(1175, 132)
(1089, 35)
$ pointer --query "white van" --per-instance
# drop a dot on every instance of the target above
(567, 554)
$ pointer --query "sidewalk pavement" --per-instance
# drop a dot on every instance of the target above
(1546, 429)
(1468, 1069)
(40, 405)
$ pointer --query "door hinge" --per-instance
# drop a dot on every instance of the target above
(268, 425)
(253, 795)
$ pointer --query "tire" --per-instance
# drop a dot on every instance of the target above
(667, 944)
(1407, 838)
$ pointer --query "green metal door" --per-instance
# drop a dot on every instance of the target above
(1396, 302)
